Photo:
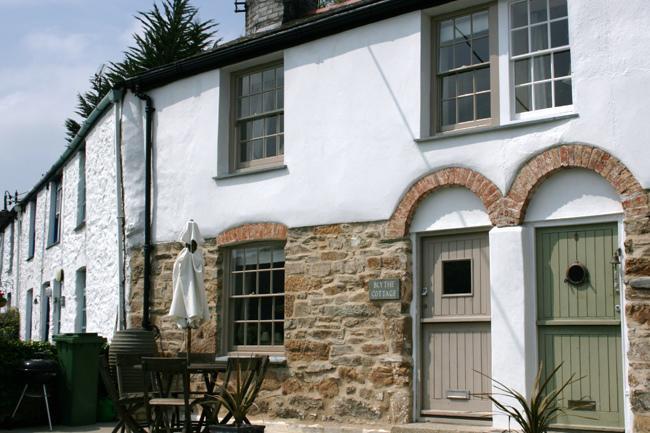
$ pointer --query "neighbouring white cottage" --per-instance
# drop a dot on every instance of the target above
(397, 196)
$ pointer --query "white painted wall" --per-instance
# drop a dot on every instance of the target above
(450, 208)
(93, 245)
(353, 110)
(588, 195)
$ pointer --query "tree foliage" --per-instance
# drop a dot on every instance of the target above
(170, 32)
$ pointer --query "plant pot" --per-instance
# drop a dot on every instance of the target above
(232, 428)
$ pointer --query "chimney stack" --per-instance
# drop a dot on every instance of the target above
(262, 15)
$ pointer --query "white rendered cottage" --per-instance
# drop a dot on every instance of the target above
(397, 195)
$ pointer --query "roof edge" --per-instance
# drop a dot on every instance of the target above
(110, 98)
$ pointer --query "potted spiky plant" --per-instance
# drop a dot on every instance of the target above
(237, 395)
(535, 414)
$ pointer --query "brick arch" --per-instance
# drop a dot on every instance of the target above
(545, 164)
(487, 192)
(252, 232)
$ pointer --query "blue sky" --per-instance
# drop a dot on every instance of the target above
(49, 50)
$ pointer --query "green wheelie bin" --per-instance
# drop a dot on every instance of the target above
(77, 391)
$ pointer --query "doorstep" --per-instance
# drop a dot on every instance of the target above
(275, 426)
(427, 427)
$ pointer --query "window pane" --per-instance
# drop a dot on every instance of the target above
(264, 258)
(251, 258)
(271, 146)
(465, 109)
(281, 145)
(278, 336)
(456, 277)
(542, 67)
(266, 334)
(559, 33)
(243, 152)
(463, 27)
(256, 83)
(251, 334)
(256, 104)
(537, 11)
(563, 93)
(449, 87)
(268, 78)
(257, 149)
(239, 309)
(244, 85)
(269, 101)
(278, 281)
(482, 79)
(239, 334)
(258, 128)
(562, 63)
(539, 37)
(237, 284)
(543, 96)
(518, 14)
(522, 71)
(279, 76)
(522, 99)
(278, 258)
(480, 24)
(446, 60)
(462, 54)
(519, 42)
(558, 8)
(465, 83)
(480, 50)
(448, 112)
(280, 98)
(483, 106)
(279, 307)
(446, 31)
(250, 283)
(271, 124)
(267, 307)
(253, 313)
(264, 285)
(243, 107)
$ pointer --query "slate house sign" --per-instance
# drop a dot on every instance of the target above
(383, 290)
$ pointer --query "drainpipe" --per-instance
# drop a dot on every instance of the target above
(148, 146)
(119, 194)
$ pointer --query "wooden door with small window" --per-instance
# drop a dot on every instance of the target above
(455, 326)
(579, 322)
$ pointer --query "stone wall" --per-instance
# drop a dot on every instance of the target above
(348, 359)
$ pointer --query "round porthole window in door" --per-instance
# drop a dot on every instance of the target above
(576, 274)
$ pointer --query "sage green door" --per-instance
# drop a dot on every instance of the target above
(455, 326)
(578, 318)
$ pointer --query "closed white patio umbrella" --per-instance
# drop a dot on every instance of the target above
(189, 302)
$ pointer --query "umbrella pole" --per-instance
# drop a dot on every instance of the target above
(188, 338)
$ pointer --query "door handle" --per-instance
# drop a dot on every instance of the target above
(424, 291)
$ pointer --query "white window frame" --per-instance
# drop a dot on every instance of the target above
(234, 141)
(31, 244)
(81, 319)
(56, 208)
(436, 111)
(81, 189)
(505, 46)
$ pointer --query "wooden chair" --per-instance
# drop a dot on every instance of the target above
(126, 419)
(164, 401)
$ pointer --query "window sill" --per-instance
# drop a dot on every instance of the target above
(511, 125)
(80, 226)
(53, 244)
(29, 259)
(275, 358)
(250, 172)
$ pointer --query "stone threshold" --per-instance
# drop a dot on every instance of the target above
(275, 426)
(428, 427)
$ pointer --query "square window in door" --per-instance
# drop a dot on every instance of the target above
(457, 277)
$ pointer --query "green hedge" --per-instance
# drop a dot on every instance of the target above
(10, 324)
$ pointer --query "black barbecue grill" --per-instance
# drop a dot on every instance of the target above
(37, 374)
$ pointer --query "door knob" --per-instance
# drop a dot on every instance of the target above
(424, 291)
